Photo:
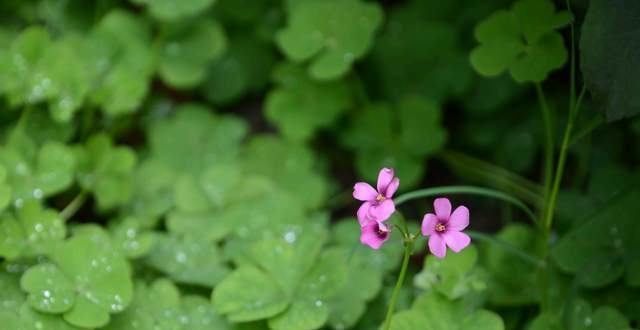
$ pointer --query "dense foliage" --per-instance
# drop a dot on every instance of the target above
(189, 164)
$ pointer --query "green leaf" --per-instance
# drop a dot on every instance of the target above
(34, 231)
(522, 40)
(288, 165)
(130, 237)
(5, 189)
(430, 311)
(249, 294)
(609, 60)
(87, 278)
(122, 44)
(187, 49)
(106, 170)
(187, 260)
(583, 317)
(453, 277)
(168, 10)
(331, 45)
(300, 106)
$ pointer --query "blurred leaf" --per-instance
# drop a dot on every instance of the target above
(430, 311)
(187, 49)
(33, 231)
(86, 280)
(332, 34)
(610, 61)
(187, 260)
(244, 68)
(583, 317)
(5, 189)
(159, 306)
(124, 60)
(522, 40)
(130, 238)
(168, 10)
(105, 170)
(300, 106)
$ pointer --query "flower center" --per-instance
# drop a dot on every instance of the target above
(440, 227)
(380, 198)
(382, 234)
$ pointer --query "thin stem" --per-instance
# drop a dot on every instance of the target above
(507, 248)
(408, 248)
(73, 206)
(494, 175)
(548, 142)
(591, 125)
(472, 190)
(551, 203)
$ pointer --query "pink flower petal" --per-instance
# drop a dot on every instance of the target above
(437, 246)
(384, 179)
(442, 207)
(363, 191)
(459, 219)
(382, 211)
(373, 236)
(456, 240)
(392, 188)
(429, 222)
(363, 213)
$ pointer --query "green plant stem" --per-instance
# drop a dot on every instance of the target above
(591, 125)
(564, 148)
(495, 176)
(408, 248)
(507, 248)
(471, 190)
(73, 206)
(548, 144)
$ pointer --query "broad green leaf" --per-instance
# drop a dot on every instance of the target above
(33, 231)
(453, 276)
(331, 34)
(431, 311)
(169, 10)
(187, 49)
(5, 189)
(292, 167)
(244, 68)
(187, 260)
(25, 318)
(153, 191)
(105, 170)
(130, 237)
(522, 40)
(248, 294)
(122, 43)
(36, 173)
(583, 317)
(610, 63)
(86, 277)
(299, 106)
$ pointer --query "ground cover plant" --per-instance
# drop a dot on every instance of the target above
(319, 164)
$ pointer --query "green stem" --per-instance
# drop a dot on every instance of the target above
(472, 190)
(73, 206)
(408, 248)
(507, 248)
(548, 143)
(591, 125)
(551, 202)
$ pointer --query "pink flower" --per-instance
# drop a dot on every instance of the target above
(445, 228)
(378, 204)
(374, 234)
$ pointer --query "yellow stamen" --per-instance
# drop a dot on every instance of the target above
(440, 228)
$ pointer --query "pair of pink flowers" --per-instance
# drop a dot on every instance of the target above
(444, 228)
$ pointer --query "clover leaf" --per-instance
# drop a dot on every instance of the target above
(168, 10)
(36, 172)
(122, 45)
(5, 189)
(187, 260)
(583, 317)
(131, 238)
(300, 106)
(86, 279)
(33, 231)
(187, 49)
(160, 306)
(331, 34)
(522, 40)
(453, 277)
(25, 318)
(105, 170)
(288, 165)
(432, 311)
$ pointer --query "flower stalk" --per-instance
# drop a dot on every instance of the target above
(408, 248)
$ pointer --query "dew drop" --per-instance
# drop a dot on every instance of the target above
(587, 322)
(38, 193)
(46, 293)
(319, 303)
(181, 257)
(290, 237)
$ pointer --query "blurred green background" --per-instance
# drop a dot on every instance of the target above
(188, 164)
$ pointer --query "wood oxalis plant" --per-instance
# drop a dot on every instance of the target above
(187, 165)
